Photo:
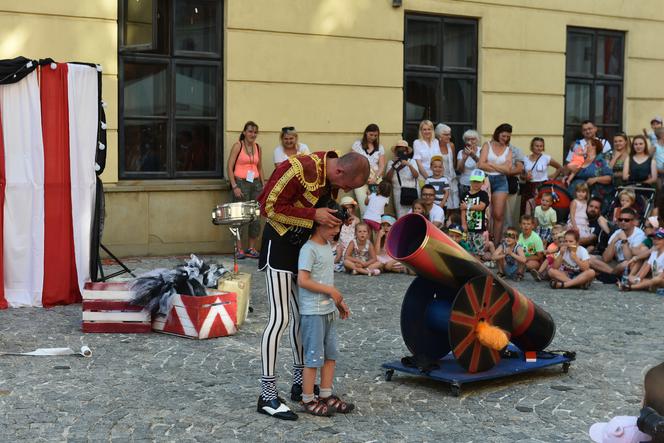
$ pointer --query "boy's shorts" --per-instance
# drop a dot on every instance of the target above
(319, 339)
(475, 242)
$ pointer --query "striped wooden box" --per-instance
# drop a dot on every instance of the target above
(106, 308)
(204, 317)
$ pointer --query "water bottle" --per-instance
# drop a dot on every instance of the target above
(625, 277)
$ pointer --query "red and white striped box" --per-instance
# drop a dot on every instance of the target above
(107, 308)
(204, 317)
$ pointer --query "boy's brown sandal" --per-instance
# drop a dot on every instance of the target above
(338, 405)
(317, 407)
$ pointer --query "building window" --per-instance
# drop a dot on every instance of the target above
(440, 78)
(170, 88)
(594, 81)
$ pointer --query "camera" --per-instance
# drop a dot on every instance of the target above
(402, 155)
(342, 214)
(651, 423)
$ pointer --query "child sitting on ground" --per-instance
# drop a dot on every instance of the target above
(376, 203)
(455, 232)
(440, 183)
(532, 245)
(558, 237)
(510, 256)
(418, 207)
(654, 265)
(473, 216)
(319, 301)
(388, 264)
(627, 199)
(360, 257)
(571, 266)
(347, 233)
(546, 218)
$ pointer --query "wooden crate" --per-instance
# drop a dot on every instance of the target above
(106, 308)
(200, 318)
(239, 283)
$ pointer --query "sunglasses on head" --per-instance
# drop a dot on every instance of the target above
(626, 220)
(288, 128)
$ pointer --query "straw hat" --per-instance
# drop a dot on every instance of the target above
(347, 200)
(402, 144)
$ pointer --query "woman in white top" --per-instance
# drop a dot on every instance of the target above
(425, 147)
(448, 152)
(402, 172)
(289, 146)
(496, 161)
(371, 148)
(536, 171)
(467, 159)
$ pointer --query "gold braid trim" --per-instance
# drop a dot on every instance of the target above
(297, 166)
(277, 220)
(310, 198)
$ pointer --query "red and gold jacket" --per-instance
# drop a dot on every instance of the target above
(294, 188)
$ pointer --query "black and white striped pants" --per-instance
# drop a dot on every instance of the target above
(282, 298)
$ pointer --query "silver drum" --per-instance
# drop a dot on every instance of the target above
(237, 213)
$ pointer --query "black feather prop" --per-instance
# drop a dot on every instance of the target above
(155, 289)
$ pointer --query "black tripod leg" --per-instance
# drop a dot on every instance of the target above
(117, 260)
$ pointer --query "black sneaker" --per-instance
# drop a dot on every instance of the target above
(276, 409)
(296, 392)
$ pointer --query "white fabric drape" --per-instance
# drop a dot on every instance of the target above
(24, 196)
(83, 124)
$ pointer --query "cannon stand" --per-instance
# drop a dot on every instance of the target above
(513, 363)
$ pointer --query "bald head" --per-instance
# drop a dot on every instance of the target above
(349, 171)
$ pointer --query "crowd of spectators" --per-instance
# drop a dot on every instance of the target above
(592, 216)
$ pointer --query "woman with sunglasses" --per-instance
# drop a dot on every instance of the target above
(245, 172)
(289, 146)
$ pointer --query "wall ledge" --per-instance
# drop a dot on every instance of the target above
(167, 185)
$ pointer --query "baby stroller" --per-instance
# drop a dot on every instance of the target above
(645, 200)
(561, 198)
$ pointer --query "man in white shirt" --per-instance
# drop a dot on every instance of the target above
(589, 132)
(436, 213)
(622, 244)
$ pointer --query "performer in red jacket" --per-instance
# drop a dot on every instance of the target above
(293, 198)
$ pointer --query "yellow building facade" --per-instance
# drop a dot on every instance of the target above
(330, 67)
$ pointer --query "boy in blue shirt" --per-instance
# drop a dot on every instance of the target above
(319, 301)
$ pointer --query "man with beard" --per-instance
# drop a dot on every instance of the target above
(596, 242)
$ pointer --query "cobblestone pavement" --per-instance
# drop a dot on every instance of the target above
(154, 387)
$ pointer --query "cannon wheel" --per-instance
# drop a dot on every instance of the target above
(388, 374)
(481, 299)
(566, 366)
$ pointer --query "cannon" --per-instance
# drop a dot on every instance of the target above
(456, 304)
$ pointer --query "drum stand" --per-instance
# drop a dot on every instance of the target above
(235, 230)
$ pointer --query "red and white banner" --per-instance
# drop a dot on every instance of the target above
(48, 137)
